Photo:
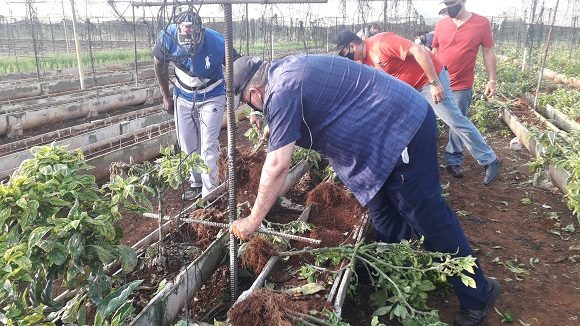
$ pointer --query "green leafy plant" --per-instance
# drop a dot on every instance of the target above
(402, 275)
(562, 150)
(57, 224)
(308, 155)
(167, 172)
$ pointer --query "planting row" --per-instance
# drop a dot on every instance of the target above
(550, 135)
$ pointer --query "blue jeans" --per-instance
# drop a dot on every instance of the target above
(411, 199)
(452, 110)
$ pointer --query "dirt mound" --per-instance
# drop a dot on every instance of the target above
(328, 237)
(248, 170)
(257, 254)
(262, 308)
(203, 235)
(336, 208)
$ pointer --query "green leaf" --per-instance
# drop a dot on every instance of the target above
(382, 311)
(104, 255)
(4, 215)
(128, 257)
(74, 245)
(116, 299)
(58, 254)
(37, 235)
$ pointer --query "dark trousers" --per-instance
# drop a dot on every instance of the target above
(411, 200)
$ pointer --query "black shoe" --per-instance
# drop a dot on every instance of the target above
(492, 171)
(192, 194)
(470, 317)
(455, 170)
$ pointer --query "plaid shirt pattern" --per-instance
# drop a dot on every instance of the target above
(360, 118)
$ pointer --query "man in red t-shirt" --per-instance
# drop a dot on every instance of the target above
(418, 67)
(456, 44)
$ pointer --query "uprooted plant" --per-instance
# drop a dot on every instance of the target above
(402, 274)
(57, 225)
(167, 172)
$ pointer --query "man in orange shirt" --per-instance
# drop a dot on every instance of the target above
(456, 44)
(416, 66)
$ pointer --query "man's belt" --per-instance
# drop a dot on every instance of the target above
(198, 88)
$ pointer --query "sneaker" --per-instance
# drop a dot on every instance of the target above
(455, 170)
(492, 171)
(470, 317)
(192, 194)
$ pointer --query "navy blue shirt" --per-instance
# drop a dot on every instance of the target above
(360, 118)
(206, 63)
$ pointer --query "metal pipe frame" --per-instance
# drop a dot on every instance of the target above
(218, 2)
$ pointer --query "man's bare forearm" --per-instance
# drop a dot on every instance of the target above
(489, 61)
(162, 75)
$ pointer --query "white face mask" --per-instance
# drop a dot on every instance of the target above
(417, 41)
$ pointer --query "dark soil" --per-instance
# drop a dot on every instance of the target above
(257, 254)
(248, 171)
(504, 229)
(203, 235)
(179, 251)
(213, 297)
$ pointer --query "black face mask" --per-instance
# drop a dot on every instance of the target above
(350, 56)
(453, 11)
(252, 106)
(249, 103)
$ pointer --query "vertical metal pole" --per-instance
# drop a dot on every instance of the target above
(272, 32)
(545, 55)
(327, 43)
(64, 26)
(100, 33)
(385, 16)
(135, 46)
(247, 31)
(77, 45)
(232, 209)
(52, 35)
(32, 19)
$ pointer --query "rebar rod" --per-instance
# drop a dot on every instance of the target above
(231, 123)
(225, 225)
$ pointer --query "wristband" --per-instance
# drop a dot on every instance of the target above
(492, 81)
(258, 113)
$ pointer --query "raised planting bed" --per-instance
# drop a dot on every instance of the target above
(25, 89)
(519, 121)
(13, 123)
(561, 78)
(336, 219)
(163, 308)
(136, 146)
(86, 134)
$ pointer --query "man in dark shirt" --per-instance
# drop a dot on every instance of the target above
(378, 134)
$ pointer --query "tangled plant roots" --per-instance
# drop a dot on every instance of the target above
(326, 194)
(257, 254)
(203, 235)
(248, 167)
(337, 211)
(262, 308)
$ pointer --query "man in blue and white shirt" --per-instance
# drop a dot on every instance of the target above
(198, 99)
(378, 134)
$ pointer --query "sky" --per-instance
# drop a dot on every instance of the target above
(427, 8)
